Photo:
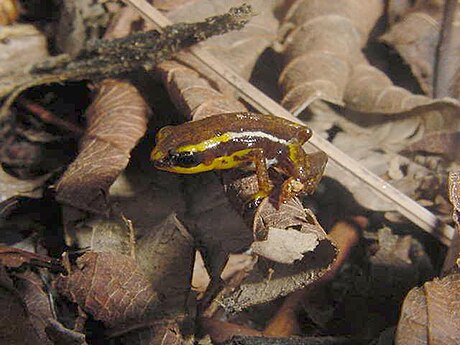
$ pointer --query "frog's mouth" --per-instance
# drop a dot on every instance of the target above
(176, 161)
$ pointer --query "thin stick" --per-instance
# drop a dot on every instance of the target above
(405, 205)
(48, 117)
(443, 52)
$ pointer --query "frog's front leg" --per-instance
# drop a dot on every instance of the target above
(304, 171)
(257, 157)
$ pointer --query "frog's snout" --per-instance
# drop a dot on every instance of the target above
(159, 159)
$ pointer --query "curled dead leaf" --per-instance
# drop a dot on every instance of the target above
(15, 257)
(25, 309)
(324, 40)
(117, 119)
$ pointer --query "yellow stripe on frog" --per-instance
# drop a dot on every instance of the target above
(219, 163)
(207, 144)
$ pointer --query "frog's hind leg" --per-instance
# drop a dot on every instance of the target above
(304, 171)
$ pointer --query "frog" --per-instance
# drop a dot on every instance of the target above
(242, 140)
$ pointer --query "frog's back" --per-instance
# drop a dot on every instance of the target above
(217, 125)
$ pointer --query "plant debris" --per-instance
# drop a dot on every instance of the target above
(109, 58)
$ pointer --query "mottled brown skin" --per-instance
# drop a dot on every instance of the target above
(227, 141)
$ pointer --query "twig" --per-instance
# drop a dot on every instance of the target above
(106, 58)
(48, 117)
(443, 51)
(341, 162)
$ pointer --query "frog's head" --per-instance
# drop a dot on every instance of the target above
(175, 161)
(170, 154)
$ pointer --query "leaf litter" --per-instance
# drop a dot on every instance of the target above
(133, 232)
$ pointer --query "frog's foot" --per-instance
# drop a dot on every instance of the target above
(290, 188)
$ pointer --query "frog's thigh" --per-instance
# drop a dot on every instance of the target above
(257, 156)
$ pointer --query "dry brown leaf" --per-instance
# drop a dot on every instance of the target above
(416, 38)
(20, 45)
(165, 256)
(430, 314)
(117, 119)
(11, 186)
(31, 289)
(22, 311)
(239, 49)
(143, 227)
(362, 136)
(112, 289)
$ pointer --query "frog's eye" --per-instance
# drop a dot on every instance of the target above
(163, 133)
(183, 159)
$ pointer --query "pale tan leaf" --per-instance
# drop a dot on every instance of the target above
(285, 245)
(291, 271)
(397, 8)
(192, 94)
(117, 119)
